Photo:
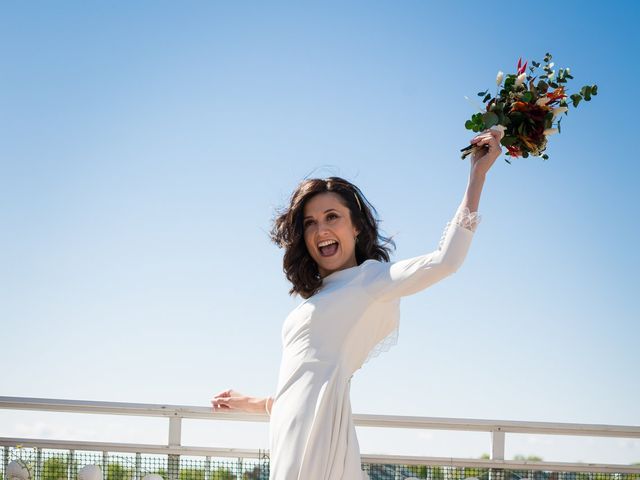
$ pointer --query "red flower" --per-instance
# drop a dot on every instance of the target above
(521, 68)
(514, 151)
(556, 94)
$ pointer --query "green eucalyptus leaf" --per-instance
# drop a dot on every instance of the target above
(576, 97)
(490, 119)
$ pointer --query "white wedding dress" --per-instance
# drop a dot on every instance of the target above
(352, 318)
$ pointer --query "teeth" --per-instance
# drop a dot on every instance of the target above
(326, 242)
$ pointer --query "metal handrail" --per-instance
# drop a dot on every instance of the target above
(175, 413)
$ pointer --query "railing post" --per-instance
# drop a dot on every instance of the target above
(173, 461)
(497, 453)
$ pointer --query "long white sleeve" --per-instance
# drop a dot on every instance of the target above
(389, 280)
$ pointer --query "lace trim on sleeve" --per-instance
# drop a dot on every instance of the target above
(385, 344)
(466, 219)
(463, 218)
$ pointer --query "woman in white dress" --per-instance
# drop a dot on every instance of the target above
(337, 264)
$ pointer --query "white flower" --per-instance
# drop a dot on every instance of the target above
(550, 131)
(520, 79)
(542, 101)
(558, 110)
(551, 65)
(499, 77)
(567, 70)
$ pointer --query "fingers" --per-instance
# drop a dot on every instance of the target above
(497, 134)
(227, 400)
(488, 137)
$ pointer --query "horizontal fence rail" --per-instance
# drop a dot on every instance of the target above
(174, 449)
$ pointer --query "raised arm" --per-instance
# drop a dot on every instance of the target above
(386, 281)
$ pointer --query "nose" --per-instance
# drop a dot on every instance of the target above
(322, 229)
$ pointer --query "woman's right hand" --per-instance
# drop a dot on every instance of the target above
(232, 401)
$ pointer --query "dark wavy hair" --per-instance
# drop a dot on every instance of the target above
(287, 232)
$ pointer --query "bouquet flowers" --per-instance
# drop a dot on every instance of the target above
(524, 110)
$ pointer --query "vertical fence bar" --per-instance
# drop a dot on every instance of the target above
(105, 465)
(38, 472)
(138, 466)
(173, 461)
(72, 456)
(207, 468)
(5, 461)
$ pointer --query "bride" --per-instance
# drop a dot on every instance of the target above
(339, 264)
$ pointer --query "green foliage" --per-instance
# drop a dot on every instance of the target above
(476, 123)
(437, 473)
(191, 474)
(55, 468)
(422, 471)
(490, 119)
(116, 471)
(222, 474)
(532, 458)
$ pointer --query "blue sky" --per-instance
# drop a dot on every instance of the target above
(145, 145)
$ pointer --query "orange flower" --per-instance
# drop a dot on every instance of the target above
(527, 142)
(557, 94)
(519, 106)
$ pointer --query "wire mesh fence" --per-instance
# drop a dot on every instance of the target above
(49, 464)
(20, 463)
(447, 472)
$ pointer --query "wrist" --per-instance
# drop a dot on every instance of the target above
(477, 176)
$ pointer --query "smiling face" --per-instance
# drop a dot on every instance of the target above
(326, 218)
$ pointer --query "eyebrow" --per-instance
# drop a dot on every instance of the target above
(326, 211)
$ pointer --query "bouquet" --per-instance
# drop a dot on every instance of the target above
(525, 111)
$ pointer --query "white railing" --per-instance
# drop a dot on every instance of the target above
(175, 413)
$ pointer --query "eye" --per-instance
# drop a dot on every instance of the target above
(332, 215)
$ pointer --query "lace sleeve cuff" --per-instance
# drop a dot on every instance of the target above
(466, 219)
(463, 218)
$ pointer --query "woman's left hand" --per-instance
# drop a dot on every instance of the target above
(483, 159)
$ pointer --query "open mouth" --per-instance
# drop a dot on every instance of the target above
(328, 248)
